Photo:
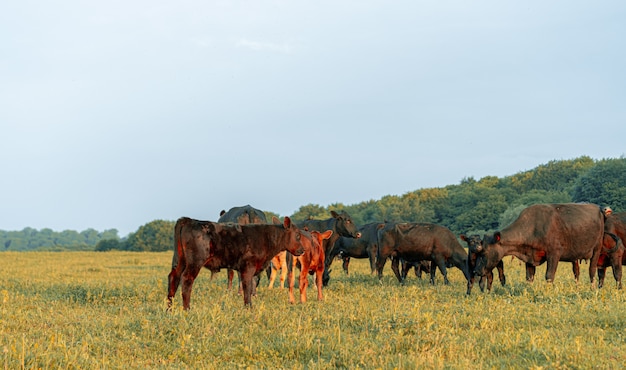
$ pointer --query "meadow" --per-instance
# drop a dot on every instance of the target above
(106, 310)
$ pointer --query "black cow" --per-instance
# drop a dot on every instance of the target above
(474, 248)
(419, 266)
(547, 233)
(244, 248)
(364, 247)
(243, 215)
(612, 255)
(420, 242)
(341, 225)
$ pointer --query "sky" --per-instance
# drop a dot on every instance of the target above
(117, 113)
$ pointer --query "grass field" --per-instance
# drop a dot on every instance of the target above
(107, 310)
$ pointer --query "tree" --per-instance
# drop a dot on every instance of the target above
(603, 184)
(155, 236)
(107, 245)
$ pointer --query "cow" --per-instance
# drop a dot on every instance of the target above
(419, 242)
(310, 262)
(474, 248)
(614, 224)
(612, 255)
(243, 215)
(547, 233)
(244, 248)
(364, 247)
(341, 224)
(419, 266)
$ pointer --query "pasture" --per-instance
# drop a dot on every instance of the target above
(107, 310)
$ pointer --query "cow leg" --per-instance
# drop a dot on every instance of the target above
(576, 269)
(405, 269)
(282, 257)
(441, 263)
(617, 272)
(346, 263)
(274, 271)
(395, 262)
(530, 272)
(304, 280)
(489, 279)
(231, 275)
(318, 283)
(552, 262)
(189, 275)
(372, 258)
(247, 285)
(500, 267)
(292, 282)
(601, 275)
(173, 281)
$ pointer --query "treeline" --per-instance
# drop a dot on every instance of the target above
(472, 206)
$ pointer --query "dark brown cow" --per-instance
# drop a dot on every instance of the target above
(244, 248)
(615, 224)
(365, 246)
(310, 262)
(419, 242)
(613, 256)
(547, 233)
(341, 225)
(243, 215)
(474, 248)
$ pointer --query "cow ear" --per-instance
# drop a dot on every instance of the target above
(275, 220)
(497, 236)
(287, 222)
(463, 237)
(327, 234)
(334, 214)
(222, 213)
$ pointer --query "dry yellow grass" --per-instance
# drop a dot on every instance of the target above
(107, 310)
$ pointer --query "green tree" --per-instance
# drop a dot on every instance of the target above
(107, 245)
(154, 236)
(603, 184)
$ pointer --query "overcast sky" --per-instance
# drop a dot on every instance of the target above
(117, 113)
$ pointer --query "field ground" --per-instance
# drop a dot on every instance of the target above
(107, 310)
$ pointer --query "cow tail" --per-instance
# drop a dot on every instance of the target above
(179, 254)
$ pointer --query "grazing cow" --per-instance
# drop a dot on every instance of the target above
(310, 262)
(364, 247)
(612, 255)
(547, 233)
(243, 215)
(341, 225)
(419, 242)
(474, 248)
(244, 248)
(615, 224)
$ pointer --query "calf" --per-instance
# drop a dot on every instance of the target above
(279, 262)
(341, 224)
(475, 247)
(612, 255)
(418, 242)
(244, 248)
(364, 247)
(419, 266)
(310, 262)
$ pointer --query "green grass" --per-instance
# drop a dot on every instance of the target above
(107, 310)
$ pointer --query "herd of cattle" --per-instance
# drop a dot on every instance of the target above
(242, 240)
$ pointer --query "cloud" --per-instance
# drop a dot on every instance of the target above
(264, 46)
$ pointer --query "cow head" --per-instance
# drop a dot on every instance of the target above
(474, 243)
(294, 237)
(344, 225)
(490, 255)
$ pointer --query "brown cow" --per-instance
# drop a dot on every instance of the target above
(547, 233)
(244, 248)
(243, 215)
(310, 262)
(612, 255)
(279, 262)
